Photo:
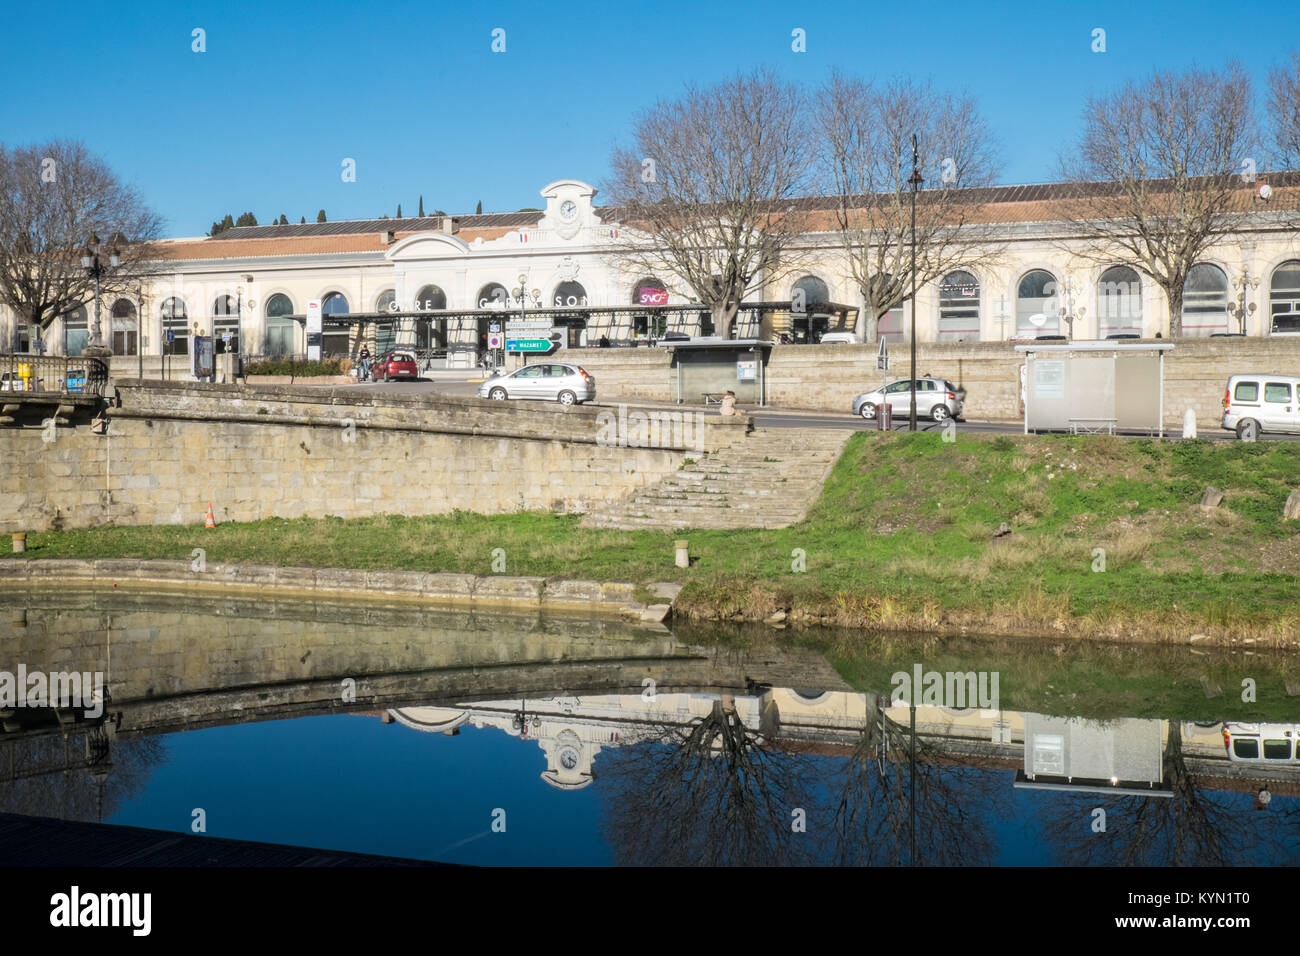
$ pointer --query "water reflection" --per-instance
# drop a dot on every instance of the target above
(641, 748)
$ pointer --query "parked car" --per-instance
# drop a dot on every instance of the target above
(1266, 744)
(1261, 402)
(936, 399)
(1285, 323)
(839, 338)
(566, 384)
(1123, 335)
(395, 365)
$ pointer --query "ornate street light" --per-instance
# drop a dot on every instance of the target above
(95, 269)
(1241, 308)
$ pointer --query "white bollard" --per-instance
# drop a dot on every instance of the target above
(1189, 424)
(683, 553)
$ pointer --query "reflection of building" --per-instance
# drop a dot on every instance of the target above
(572, 731)
(1125, 756)
(450, 277)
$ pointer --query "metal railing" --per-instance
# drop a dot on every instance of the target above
(53, 374)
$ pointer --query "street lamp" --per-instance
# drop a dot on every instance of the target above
(520, 292)
(915, 181)
(94, 268)
(1241, 308)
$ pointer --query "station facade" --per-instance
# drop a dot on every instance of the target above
(441, 284)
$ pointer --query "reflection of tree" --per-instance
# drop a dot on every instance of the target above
(876, 813)
(708, 792)
(76, 775)
(1193, 827)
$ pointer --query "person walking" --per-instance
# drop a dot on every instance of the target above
(364, 361)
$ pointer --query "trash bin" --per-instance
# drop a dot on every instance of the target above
(884, 417)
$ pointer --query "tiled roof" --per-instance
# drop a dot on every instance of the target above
(1038, 202)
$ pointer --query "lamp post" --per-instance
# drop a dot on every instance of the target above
(915, 181)
(520, 292)
(90, 261)
(1241, 308)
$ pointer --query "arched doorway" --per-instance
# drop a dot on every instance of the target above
(335, 333)
(429, 333)
(279, 327)
(225, 324)
(176, 324)
(572, 295)
(125, 327)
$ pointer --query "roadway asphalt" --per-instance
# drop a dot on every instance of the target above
(466, 384)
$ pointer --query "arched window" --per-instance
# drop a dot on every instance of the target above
(569, 294)
(279, 327)
(1119, 302)
(650, 291)
(76, 334)
(811, 293)
(1284, 299)
(1205, 301)
(176, 321)
(1038, 310)
(124, 327)
(959, 308)
(492, 296)
(430, 297)
(335, 333)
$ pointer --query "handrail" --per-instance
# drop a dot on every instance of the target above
(53, 374)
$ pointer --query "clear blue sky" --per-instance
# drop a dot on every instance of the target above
(413, 92)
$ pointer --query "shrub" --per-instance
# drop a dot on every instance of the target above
(297, 369)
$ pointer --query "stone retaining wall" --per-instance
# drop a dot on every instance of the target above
(827, 377)
(255, 453)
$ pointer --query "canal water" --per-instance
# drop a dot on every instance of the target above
(494, 739)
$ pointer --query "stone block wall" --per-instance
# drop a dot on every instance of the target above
(300, 451)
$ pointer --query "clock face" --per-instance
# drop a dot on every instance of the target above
(568, 758)
(568, 210)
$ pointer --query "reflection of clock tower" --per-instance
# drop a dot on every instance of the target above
(568, 208)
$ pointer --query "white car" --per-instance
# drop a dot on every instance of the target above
(566, 384)
(1262, 402)
(839, 338)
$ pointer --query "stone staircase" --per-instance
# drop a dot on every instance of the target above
(767, 480)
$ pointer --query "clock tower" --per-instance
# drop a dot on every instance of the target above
(569, 209)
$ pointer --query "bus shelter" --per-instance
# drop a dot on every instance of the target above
(1094, 387)
(705, 369)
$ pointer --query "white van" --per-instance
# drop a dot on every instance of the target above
(1262, 402)
(839, 338)
(1262, 744)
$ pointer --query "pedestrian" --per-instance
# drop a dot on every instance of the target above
(363, 361)
(729, 403)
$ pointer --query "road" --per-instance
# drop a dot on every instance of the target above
(466, 384)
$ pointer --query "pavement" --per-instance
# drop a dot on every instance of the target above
(465, 382)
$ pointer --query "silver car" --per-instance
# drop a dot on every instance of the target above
(936, 399)
(566, 384)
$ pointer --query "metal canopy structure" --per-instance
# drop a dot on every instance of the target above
(1094, 386)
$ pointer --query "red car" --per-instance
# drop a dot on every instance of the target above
(395, 365)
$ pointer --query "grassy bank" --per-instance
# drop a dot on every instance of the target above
(902, 538)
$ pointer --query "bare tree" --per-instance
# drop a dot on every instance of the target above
(1163, 170)
(896, 785)
(865, 135)
(1192, 827)
(1284, 111)
(708, 188)
(709, 792)
(53, 198)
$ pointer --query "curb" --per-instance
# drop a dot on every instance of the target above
(419, 587)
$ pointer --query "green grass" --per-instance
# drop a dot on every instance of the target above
(901, 537)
